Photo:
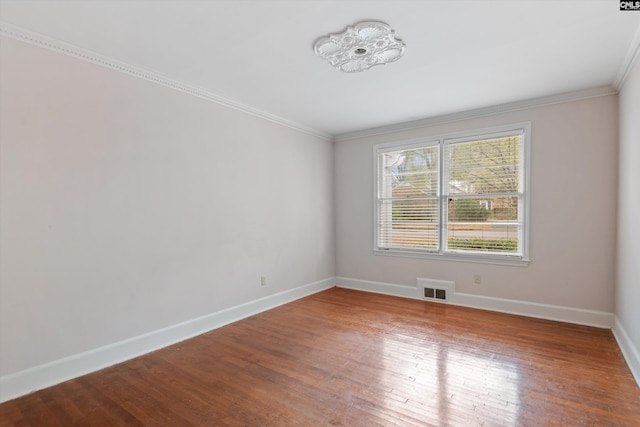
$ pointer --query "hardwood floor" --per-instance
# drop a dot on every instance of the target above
(347, 358)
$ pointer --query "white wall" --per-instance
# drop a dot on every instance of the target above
(628, 268)
(127, 207)
(573, 211)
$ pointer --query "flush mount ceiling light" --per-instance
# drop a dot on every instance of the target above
(360, 47)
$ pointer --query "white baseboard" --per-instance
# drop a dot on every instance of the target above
(378, 287)
(629, 350)
(42, 376)
(578, 316)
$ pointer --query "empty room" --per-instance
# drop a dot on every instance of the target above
(314, 213)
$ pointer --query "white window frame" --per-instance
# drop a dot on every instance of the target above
(521, 259)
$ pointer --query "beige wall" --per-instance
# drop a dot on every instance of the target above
(127, 207)
(628, 271)
(573, 211)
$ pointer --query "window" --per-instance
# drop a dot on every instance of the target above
(462, 196)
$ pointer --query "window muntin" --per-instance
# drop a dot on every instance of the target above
(454, 196)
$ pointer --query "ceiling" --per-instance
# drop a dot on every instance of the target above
(460, 55)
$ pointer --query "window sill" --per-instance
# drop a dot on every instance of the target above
(481, 259)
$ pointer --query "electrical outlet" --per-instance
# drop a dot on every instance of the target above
(477, 279)
(263, 281)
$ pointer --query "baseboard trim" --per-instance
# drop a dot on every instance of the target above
(578, 316)
(599, 319)
(629, 351)
(378, 287)
(43, 376)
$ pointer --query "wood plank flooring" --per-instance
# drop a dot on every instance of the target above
(347, 358)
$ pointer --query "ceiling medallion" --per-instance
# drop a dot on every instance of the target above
(360, 47)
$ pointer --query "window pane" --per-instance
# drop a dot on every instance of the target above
(483, 224)
(409, 223)
(485, 166)
(410, 173)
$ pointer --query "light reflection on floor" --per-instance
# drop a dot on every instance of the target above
(448, 380)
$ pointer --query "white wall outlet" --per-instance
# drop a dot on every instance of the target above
(263, 280)
(477, 279)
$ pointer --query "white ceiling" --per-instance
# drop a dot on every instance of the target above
(460, 55)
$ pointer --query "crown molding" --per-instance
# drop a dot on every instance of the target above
(27, 36)
(630, 58)
(481, 112)
(21, 34)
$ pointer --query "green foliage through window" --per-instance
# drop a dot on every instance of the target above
(486, 245)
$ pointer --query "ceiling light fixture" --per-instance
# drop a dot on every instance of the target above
(360, 47)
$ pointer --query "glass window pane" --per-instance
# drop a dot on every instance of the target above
(485, 166)
(483, 224)
(410, 173)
